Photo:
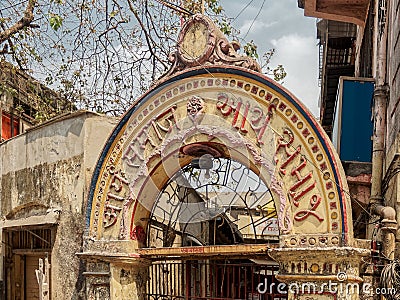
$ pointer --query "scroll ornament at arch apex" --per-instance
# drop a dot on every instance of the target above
(239, 114)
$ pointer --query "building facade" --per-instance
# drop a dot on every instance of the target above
(362, 38)
(45, 175)
(25, 102)
(167, 210)
(217, 183)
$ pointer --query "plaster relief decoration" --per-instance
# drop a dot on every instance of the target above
(195, 108)
(249, 120)
(202, 43)
(228, 112)
(301, 185)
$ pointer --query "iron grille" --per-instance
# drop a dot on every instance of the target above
(33, 239)
(214, 279)
(223, 203)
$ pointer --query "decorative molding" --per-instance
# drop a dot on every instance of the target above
(254, 118)
(320, 264)
(195, 107)
(201, 43)
(51, 217)
(311, 240)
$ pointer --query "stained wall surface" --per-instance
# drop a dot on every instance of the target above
(47, 170)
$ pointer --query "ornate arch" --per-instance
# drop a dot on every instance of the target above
(234, 113)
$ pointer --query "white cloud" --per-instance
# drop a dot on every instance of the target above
(283, 26)
(299, 55)
(257, 27)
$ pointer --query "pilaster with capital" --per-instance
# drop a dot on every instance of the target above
(320, 273)
(128, 281)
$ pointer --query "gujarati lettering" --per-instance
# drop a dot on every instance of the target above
(115, 196)
(243, 113)
(151, 136)
(303, 184)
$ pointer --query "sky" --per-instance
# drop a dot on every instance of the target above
(282, 25)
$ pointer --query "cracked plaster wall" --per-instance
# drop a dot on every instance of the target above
(50, 167)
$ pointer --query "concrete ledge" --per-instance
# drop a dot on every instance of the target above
(52, 217)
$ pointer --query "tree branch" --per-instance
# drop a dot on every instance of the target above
(146, 34)
(12, 52)
(25, 21)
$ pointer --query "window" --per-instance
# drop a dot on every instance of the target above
(9, 126)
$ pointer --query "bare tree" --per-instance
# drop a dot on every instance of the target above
(25, 21)
(100, 54)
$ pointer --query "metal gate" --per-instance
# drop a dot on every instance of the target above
(214, 279)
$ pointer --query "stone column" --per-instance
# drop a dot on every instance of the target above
(320, 273)
(128, 280)
(97, 280)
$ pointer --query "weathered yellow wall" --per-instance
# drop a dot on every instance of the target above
(50, 168)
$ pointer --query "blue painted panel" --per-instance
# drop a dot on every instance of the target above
(356, 126)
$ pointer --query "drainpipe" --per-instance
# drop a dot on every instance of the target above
(387, 213)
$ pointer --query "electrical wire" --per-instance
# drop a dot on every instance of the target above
(358, 202)
(252, 23)
(243, 9)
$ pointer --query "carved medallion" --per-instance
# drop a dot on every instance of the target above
(202, 43)
(195, 107)
(196, 41)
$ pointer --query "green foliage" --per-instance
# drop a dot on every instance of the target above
(225, 27)
(214, 6)
(101, 55)
(55, 21)
(279, 73)
(114, 13)
(7, 89)
(267, 57)
(250, 49)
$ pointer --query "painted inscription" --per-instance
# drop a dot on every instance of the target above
(243, 115)
(192, 250)
(241, 112)
(111, 213)
(150, 136)
(115, 196)
(304, 184)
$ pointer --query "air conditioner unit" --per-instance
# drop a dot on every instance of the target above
(352, 127)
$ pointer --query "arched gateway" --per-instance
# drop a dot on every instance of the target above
(192, 180)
